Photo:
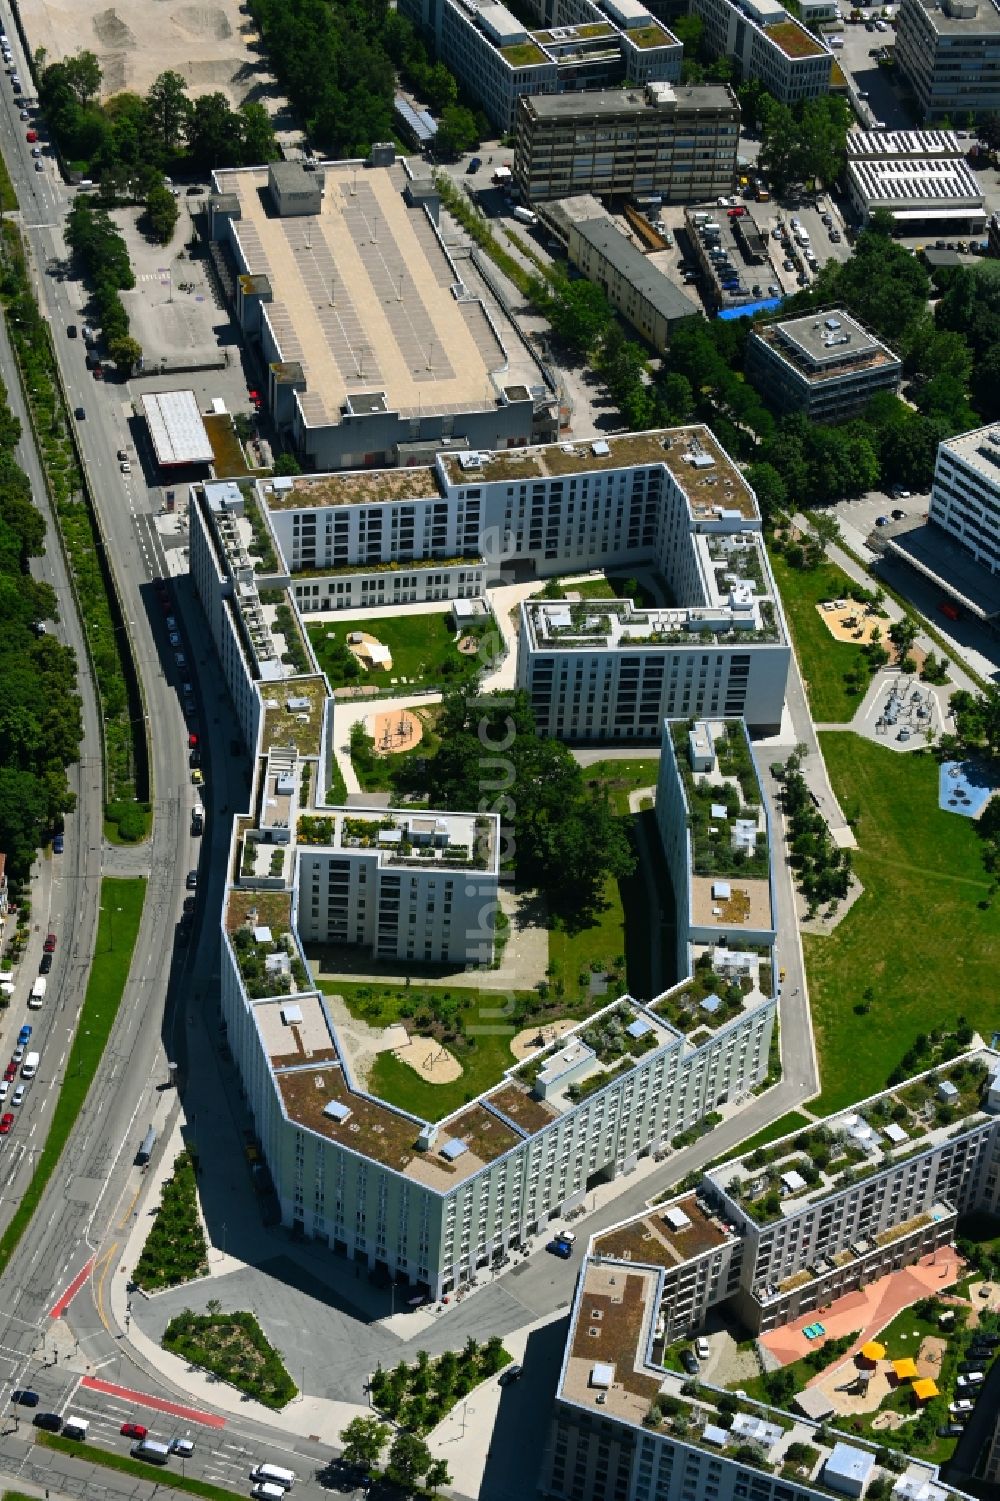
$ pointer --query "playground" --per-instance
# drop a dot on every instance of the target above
(430, 1059)
(965, 788)
(395, 732)
(846, 620)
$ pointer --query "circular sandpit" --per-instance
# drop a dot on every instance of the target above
(392, 733)
(533, 1038)
(430, 1059)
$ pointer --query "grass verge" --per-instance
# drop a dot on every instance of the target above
(107, 640)
(823, 661)
(118, 924)
(165, 1479)
(784, 1126)
(924, 936)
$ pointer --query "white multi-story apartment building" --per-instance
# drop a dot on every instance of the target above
(785, 1230)
(826, 364)
(429, 1200)
(499, 60)
(965, 495)
(768, 44)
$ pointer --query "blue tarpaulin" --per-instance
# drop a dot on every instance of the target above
(750, 309)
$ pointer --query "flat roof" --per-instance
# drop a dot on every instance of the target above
(794, 40)
(984, 22)
(363, 298)
(658, 99)
(697, 461)
(353, 487)
(825, 344)
(648, 280)
(176, 428)
(939, 557)
(295, 1030)
(941, 182)
(651, 1238)
(885, 144)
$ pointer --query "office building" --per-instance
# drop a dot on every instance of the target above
(825, 364)
(965, 494)
(370, 340)
(499, 60)
(788, 1229)
(920, 192)
(635, 284)
(768, 44)
(949, 55)
(672, 141)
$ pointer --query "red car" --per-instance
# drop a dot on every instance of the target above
(192, 741)
(254, 395)
(6, 1121)
(50, 944)
(10, 1072)
(98, 373)
(134, 1430)
(31, 136)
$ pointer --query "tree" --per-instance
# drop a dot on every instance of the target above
(259, 141)
(83, 74)
(902, 634)
(409, 1458)
(457, 131)
(214, 132)
(363, 1441)
(769, 488)
(161, 213)
(169, 109)
(126, 353)
(437, 1475)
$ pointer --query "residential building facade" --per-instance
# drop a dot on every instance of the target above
(672, 141)
(787, 1229)
(826, 365)
(965, 493)
(949, 54)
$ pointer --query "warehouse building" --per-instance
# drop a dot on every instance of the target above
(825, 364)
(672, 141)
(371, 342)
(646, 296)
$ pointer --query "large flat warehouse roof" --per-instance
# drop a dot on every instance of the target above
(363, 300)
(176, 428)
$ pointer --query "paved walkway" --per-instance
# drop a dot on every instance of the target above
(869, 1310)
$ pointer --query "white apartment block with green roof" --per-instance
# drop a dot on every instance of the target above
(499, 60)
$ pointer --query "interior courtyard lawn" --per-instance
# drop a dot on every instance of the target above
(423, 649)
(823, 661)
(917, 936)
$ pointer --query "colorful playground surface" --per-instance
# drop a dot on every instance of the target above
(965, 787)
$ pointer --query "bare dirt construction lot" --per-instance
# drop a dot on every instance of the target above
(212, 46)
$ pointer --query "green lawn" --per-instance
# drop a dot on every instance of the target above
(822, 660)
(423, 650)
(374, 771)
(783, 1126)
(917, 936)
(625, 586)
(118, 924)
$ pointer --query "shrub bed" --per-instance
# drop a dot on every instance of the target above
(233, 1347)
(175, 1249)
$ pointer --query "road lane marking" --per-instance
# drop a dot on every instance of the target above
(61, 1304)
(158, 1404)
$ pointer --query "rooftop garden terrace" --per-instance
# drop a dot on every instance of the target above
(261, 547)
(648, 36)
(288, 724)
(684, 1006)
(523, 54)
(742, 556)
(424, 651)
(268, 966)
(362, 486)
(794, 40)
(650, 1238)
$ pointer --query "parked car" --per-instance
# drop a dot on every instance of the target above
(972, 1378)
(9, 1071)
(702, 1348)
(45, 964)
(50, 943)
(898, 514)
(174, 638)
(79, 414)
(24, 1036)
(475, 163)
(972, 1365)
(881, 521)
(560, 1248)
(569, 1236)
(192, 882)
(6, 1124)
(688, 1361)
(950, 1430)
(17, 1098)
(510, 1374)
(58, 844)
(962, 1405)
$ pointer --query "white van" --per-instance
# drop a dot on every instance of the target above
(37, 995)
(525, 216)
(273, 1475)
(29, 1067)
